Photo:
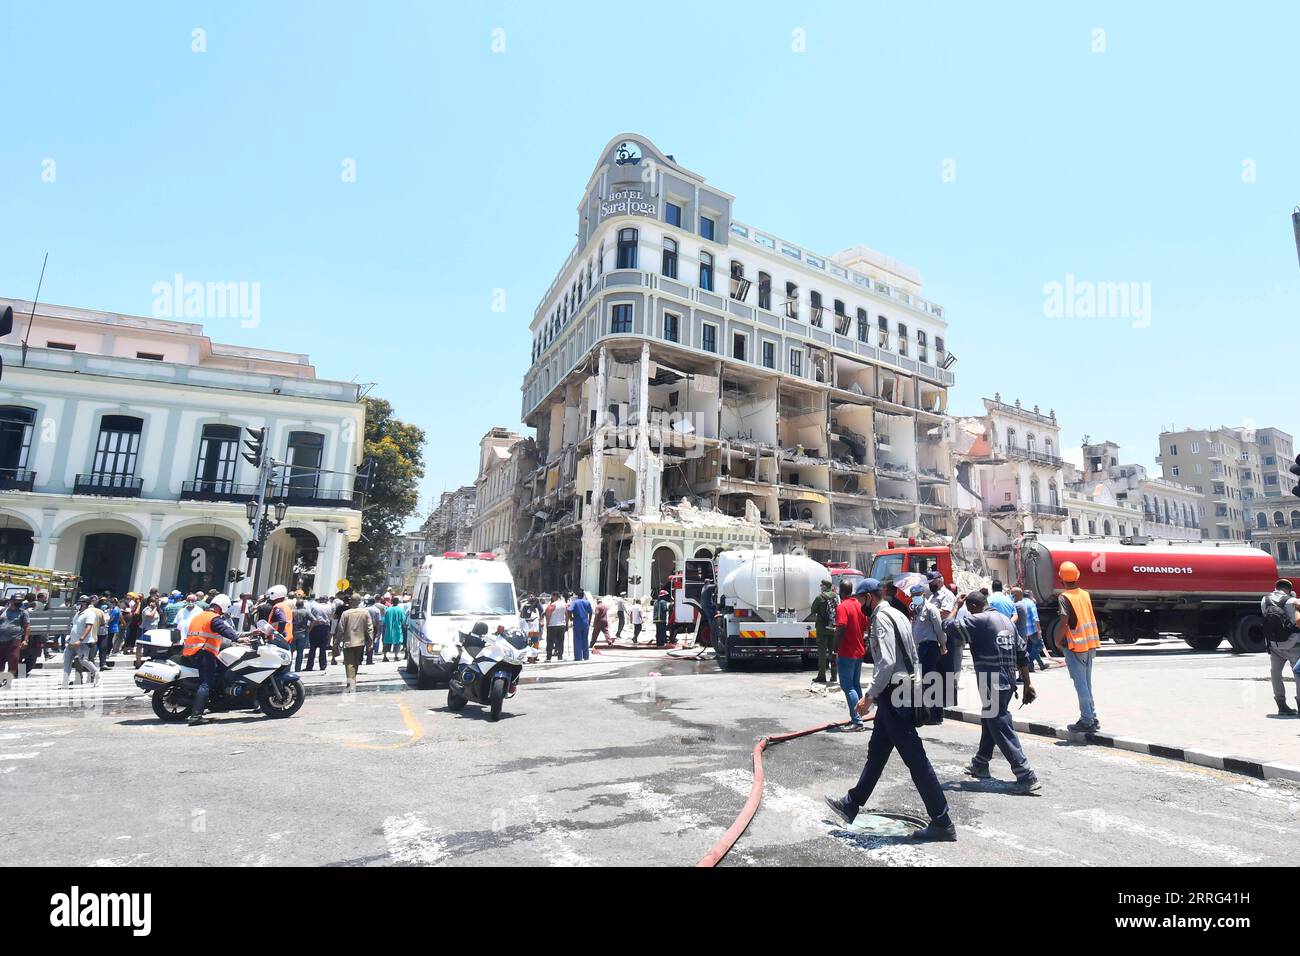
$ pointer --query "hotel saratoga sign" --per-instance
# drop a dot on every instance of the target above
(626, 200)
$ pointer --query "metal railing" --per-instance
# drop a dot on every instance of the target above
(16, 479)
(108, 483)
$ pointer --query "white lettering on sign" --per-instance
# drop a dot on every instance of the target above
(623, 202)
(1160, 569)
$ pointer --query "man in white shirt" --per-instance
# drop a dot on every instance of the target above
(557, 622)
(82, 636)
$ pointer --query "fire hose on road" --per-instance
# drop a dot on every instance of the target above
(734, 832)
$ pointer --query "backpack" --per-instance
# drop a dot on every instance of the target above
(1278, 626)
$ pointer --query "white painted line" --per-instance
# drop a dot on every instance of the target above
(20, 756)
(1204, 758)
(1100, 820)
(1124, 743)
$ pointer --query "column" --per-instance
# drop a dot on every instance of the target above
(591, 514)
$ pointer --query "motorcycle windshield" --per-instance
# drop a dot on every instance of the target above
(472, 597)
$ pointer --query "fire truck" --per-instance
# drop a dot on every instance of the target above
(1204, 592)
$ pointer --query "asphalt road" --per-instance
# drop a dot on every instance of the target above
(623, 760)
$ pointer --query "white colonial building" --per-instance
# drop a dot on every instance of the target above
(504, 458)
(120, 454)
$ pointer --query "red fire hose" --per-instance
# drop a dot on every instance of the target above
(728, 839)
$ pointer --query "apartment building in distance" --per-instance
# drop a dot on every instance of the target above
(1170, 510)
(505, 457)
(1275, 527)
(1007, 478)
(120, 454)
(1094, 511)
(1226, 467)
(450, 525)
(682, 358)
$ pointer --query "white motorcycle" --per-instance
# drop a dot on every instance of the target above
(485, 667)
(250, 676)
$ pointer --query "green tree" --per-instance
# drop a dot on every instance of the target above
(398, 450)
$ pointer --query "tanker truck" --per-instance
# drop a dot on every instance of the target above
(1202, 592)
(764, 606)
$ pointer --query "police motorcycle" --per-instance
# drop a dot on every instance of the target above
(485, 667)
(250, 676)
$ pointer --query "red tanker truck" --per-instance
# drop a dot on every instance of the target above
(1202, 591)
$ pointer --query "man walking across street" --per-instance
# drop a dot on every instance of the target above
(600, 623)
(1281, 612)
(825, 620)
(998, 652)
(356, 631)
(895, 660)
(557, 622)
(81, 639)
(1079, 641)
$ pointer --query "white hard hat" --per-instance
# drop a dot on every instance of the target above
(222, 601)
(277, 592)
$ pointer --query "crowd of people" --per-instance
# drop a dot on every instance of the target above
(917, 635)
(553, 615)
(105, 625)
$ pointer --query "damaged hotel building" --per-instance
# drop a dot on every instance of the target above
(698, 383)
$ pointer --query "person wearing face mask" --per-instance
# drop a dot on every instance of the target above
(894, 659)
(932, 647)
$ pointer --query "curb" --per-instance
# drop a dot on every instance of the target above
(1261, 770)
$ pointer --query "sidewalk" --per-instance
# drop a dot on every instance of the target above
(1163, 693)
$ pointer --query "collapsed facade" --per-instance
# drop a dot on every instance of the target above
(697, 383)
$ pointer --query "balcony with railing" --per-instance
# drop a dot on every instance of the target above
(1033, 454)
(108, 484)
(16, 479)
(303, 495)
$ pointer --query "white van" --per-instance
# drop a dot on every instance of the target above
(451, 592)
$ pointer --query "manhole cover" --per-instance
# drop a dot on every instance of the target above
(872, 824)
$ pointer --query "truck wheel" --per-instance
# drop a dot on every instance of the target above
(1203, 643)
(724, 662)
(1247, 634)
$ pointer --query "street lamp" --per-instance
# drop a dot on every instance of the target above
(250, 509)
(281, 507)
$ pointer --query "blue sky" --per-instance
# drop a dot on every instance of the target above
(1171, 158)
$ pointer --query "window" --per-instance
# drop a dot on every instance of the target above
(706, 228)
(669, 268)
(1092, 526)
(1173, 450)
(621, 318)
(938, 349)
(151, 356)
(769, 355)
(739, 284)
(791, 301)
(306, 451)
(842, 320)
(16, 425)
(706, 271)
(765, 291)
(796, 362)
(673, 214)
(1295, 519)
(672, 327)
(218, 456)
(902, 339)
(709, 337)
(118, 446)
(739, 345)
(1074, 525)
(921, 352)
(864, 325)
(882, 332)
(1105, 527)
(1196, 447)
(815, 316)
(1174, 471)
(1283, 552)
(1278, 521)
(626, 249)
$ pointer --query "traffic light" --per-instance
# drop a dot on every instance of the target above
(1295, 470)
(254, 442)
(254, 549)
(234, 575)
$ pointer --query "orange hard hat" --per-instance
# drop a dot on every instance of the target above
(1068, 572)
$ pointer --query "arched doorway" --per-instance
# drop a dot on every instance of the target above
(107, 560)
(15, 545)
(290, 559)
(663, 564)
(704, 554)
(204, 560)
